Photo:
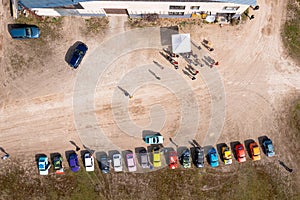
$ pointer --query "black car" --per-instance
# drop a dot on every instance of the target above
(199, 157)
(78, 55)
(104, 164)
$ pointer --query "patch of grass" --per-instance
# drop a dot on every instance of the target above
(50, 26)
(291, 30)
(96, 25)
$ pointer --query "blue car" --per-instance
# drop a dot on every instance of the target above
(25, 32)
(78, 55)
(269, 148)
(73, 162)
(213, 157)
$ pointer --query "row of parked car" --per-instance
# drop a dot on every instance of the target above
(194, 155)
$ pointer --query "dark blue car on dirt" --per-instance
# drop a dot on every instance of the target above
(78, 55)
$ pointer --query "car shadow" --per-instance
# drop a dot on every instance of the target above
(180, 151)
(193, 152)
(70, 51)
(232, 146)
(68, 153)
(149, 133)
(37, 157)
(53, 155)
(261, 139)
(111, 153)
(247, 146)
(82, 152)
(124, 153)
(206, 149)
(137, 151)
(219, 150)
(167, 150)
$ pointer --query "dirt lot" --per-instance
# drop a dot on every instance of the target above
(38, 89)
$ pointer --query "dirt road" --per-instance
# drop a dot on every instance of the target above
(37, 108)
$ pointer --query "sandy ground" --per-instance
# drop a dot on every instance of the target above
(45, 108)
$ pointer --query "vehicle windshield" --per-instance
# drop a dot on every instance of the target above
(28, 31)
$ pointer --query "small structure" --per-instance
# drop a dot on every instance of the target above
(181, 43)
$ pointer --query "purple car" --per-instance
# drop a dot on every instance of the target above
(73, 162)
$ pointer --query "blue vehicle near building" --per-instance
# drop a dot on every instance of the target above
(213, 157)
(78, 54)
(24, 32)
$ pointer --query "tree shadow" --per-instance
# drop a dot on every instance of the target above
(232, 146)
(70, 51)
(219, 150)
(261, 139)
(247, 146)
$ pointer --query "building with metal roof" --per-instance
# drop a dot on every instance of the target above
(139, 8)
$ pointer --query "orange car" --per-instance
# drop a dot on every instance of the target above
(255, 151)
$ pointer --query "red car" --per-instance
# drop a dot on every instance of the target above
(240, 153)
(173, 160)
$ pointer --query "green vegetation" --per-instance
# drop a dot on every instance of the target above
(291, 30)
(95, 25)
(249, 181)
(49, 26)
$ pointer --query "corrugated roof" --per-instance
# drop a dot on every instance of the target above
(60, 3)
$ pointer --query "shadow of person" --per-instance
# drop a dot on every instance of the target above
(1, 149)
(285, 167)
(73, 143)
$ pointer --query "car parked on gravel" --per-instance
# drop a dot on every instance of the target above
(58, 164)
(24, 32)
(89, 162)
(73, 162)
(117, 162)
(227, 157)
(199, 157)
(154, 139)
(268, 147)
(44, 165)
(156, 156)
(131, 165)
(144, 159)
(255, 151)
(240, 153)
(104, 164)
(213, 157)
(173, 160)
(186, 159)
(78, 54)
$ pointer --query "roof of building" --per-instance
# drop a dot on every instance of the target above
(62, 3)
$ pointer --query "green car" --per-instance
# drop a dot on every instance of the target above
(57, 163)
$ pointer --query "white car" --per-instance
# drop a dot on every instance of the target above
(89, 162)
(131, 162)
(117, 162)
(44, 165)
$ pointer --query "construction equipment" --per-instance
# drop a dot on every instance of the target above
(207, 44)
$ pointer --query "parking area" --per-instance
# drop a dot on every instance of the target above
(45, 104)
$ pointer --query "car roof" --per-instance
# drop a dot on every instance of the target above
(256, 150)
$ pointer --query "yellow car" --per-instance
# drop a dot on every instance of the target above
(255, 151)
(227, 157)
(156, 157)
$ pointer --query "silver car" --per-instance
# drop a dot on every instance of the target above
(117, 162)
